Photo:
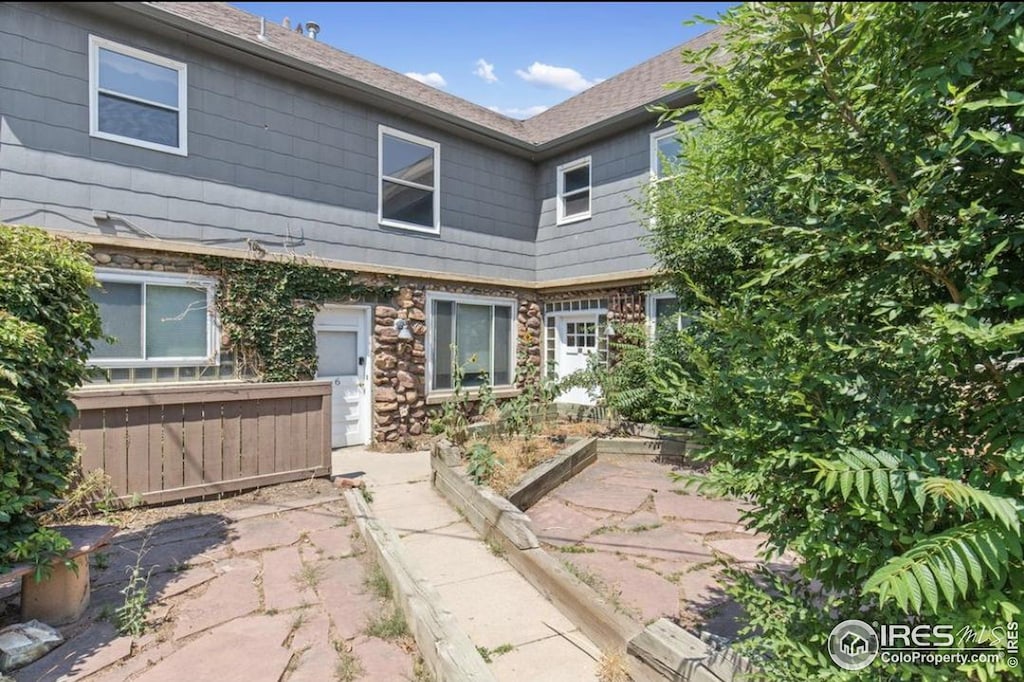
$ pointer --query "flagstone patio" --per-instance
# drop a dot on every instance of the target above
(650, 546)
(264, 586)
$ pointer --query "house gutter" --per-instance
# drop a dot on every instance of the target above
(411, 109)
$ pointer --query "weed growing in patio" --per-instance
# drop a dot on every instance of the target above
(388, 624)
(348, 667)
(131, 615)
(612, 668)
(495, 547)
(377, 582)
(576, 549)
(490, 654)
(309, 576)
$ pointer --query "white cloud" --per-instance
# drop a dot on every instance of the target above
(520, 112)
(558, 77)
(485, 70)
(433, 79)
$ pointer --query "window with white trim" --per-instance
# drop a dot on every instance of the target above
(137, 98)
(665, 151)
(409, 172)
(476, 334)
(155, 319)
(573, 191)
(663, 312)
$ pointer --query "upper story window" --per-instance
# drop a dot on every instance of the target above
(156, 320)
(665, 150)
(574, 191)
(482, 333)
(409, 181)
(137, 98)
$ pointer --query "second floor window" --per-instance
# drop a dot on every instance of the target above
(665, 150)
(137, 98)
(574, 191)
(409, 179)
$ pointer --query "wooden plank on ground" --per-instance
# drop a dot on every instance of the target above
(484, 508)
(446, 649)
(672, 651)
(185, 493)
(547, 476)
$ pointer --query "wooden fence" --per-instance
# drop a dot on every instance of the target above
(169, 443)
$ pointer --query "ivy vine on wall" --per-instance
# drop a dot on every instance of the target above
(267, 309)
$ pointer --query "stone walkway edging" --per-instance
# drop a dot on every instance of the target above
(446, 649)
(493, 517)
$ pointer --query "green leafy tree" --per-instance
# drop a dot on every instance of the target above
(848, 229)
(47, 323)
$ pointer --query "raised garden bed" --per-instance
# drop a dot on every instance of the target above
(660, 650)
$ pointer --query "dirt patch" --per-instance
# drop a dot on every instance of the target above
(516, 455)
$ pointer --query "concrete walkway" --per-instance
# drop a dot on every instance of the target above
(491, 602)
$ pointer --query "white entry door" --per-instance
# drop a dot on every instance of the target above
(576, 340)
(342, 345)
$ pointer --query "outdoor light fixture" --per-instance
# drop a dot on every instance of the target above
(609, 330)
(404, 334)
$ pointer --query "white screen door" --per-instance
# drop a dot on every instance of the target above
(342, 352)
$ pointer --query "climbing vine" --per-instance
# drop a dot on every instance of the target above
(267, 309)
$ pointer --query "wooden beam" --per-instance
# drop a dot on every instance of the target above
(445, 648)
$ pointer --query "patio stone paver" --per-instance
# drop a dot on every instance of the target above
(663, 542)
(695, 507)
(232, 599)
(342, 595)
(602, 495)
(263, 533)
(281, 568)
(381, 660)
(231, 594)
(243, 650)
(560, 524)
(333, 542)
(656, 549)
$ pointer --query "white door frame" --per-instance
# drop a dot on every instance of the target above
(560, 318)
(366, 375)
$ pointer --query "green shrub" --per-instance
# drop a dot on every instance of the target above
(641, 383)
(481, 463)
(849, 228)
(47, 323)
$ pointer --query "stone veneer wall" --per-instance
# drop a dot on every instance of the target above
(400, 409)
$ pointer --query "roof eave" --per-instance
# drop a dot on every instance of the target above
(370, 94)
(612, 124)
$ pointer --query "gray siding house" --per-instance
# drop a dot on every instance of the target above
(160, 133)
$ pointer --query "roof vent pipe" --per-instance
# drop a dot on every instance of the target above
(262, 35)
(313, 28)
(286, 22)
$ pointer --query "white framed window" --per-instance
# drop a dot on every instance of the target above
(157, 320)
(409, 172)
(665, 151)
(573, 191)
(137, 98)
(663, 311)
(482, 330)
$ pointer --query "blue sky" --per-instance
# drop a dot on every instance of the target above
(517, 58)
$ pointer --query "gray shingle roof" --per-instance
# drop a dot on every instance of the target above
(625, 92)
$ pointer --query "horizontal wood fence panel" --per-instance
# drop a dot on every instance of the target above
(167, 443)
